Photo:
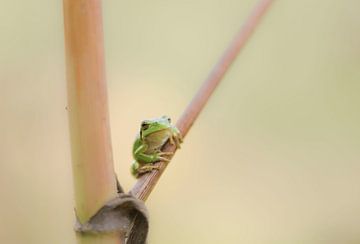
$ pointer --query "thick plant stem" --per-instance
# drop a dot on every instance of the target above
(93, 170)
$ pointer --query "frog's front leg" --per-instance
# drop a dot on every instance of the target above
(175, 138)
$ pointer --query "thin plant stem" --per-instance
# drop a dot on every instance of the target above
(146, 183)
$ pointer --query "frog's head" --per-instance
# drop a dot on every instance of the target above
(154, 125)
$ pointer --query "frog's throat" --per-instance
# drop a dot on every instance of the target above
(157, 139)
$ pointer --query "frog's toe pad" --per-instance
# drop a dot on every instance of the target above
(147, 168)
(165, 153)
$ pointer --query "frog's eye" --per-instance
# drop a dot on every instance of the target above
(169, 120)
(144, 126)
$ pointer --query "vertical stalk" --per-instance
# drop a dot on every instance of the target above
(94, 178)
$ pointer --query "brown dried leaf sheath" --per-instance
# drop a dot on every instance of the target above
(117, 216)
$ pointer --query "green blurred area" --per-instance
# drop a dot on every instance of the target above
(274, 157)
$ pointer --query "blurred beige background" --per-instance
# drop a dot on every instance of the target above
(274, 157)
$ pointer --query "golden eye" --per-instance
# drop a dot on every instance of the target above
(144, 126)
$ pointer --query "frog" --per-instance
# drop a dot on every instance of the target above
(153, 135)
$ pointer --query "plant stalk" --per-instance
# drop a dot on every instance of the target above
(92, 161)
(147, 182)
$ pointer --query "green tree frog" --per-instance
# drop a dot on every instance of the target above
(154, 133)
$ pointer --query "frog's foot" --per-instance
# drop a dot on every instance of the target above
(176, 139)
(147, 168)
(164, 159)
(165, 153)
